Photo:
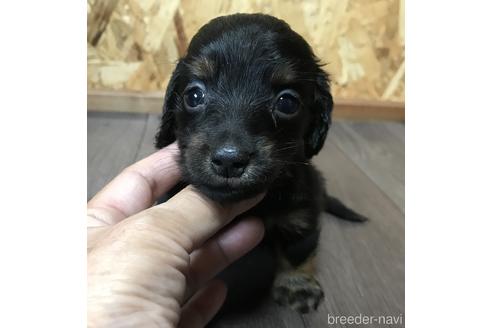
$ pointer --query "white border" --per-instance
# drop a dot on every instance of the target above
(43, 166)
(448, 164)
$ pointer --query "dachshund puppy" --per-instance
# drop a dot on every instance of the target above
(250, 106)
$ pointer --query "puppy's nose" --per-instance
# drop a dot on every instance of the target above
(229, 161)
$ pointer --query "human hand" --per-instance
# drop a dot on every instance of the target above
(152, 266)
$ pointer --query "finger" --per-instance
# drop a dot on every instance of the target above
(94, 234)
(202, 307)
(219, 252)
(136, 188)
(193, 218)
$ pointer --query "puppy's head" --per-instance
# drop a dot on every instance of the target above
(246, 102)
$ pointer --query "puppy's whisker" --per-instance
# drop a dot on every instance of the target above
(274, 120)
(291, 162)
(279, 150)
(293, 145)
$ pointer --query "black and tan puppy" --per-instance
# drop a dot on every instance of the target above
(249, 106)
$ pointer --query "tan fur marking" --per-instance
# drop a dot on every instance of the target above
(297, 287)
(197, 141)
(203, 68)
(283, 74)
(296, 221)
(308, 266)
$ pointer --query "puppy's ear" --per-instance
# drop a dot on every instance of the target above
(321, 115)
(166, 134)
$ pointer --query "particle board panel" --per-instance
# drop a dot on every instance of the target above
(133, 45)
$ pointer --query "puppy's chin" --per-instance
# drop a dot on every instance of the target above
(229, 193)
(255, 180)
(226, 190)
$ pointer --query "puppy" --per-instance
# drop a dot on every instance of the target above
(250, 106)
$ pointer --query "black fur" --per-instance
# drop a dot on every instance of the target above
(244, 61)
(246, 50)
(336, 207)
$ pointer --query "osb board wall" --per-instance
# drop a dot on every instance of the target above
(134, 44)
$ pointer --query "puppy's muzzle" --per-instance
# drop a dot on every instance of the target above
(229, 161)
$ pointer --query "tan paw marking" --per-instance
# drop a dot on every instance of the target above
(299, 291)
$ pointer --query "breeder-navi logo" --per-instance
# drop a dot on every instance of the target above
(362, 319)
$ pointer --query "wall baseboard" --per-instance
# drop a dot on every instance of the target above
(151, 102)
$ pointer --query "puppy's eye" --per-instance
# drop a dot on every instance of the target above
(287, 103)
(194, 97)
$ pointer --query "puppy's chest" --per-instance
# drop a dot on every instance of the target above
(287, 210)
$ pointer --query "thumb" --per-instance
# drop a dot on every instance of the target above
(197, 217)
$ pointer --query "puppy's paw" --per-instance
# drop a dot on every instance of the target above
(299, 291)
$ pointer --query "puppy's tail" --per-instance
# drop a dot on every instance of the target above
(334, 206)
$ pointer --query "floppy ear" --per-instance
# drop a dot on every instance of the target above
(166, 134)
(321, 115)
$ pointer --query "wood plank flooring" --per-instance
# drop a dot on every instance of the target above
(360, 266)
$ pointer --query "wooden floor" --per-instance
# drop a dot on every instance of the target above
(360, 266)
